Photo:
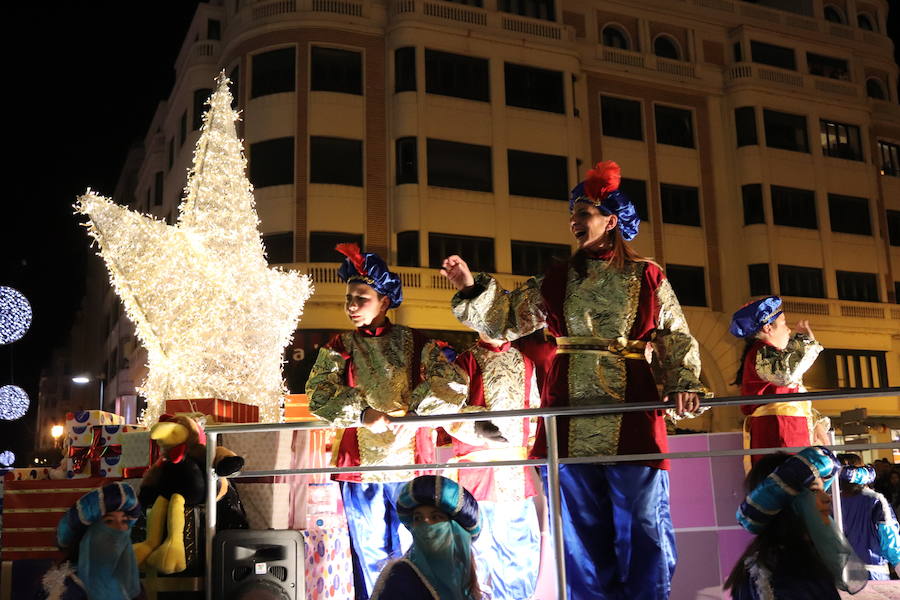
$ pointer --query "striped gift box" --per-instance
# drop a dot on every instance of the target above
(222, 411)
(296, 408)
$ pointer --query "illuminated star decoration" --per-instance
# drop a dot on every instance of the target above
(14, 402)
(15, 315)
(212, 315)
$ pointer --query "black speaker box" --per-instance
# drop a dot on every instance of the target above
(258, 565)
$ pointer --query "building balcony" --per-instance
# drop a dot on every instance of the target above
(783, 79)
(878, 316)
(631, 61)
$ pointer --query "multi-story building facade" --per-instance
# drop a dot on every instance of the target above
(761, 145)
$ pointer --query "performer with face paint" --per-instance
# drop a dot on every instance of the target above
(363, 378)
(95, 534)
(444, 521)
(608, 308)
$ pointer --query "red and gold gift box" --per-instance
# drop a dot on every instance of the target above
(296, 408)
(31, 512)
(223, 411)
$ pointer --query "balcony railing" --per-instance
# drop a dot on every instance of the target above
(749, 72)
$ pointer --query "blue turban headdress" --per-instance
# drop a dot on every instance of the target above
(600, 188)
(368, 268)
(751, 317)
(858, 475)
(91, 507)
(444, 494)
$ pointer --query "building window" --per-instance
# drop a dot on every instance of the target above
(666, 47)
(840, 140)
(213, 29)
(875, 89)
(614, 36)
(752, 197)
(745, 125)
(200, 98)
(170, 159)
(235, 77)
(760, 282)
(457, 75)
(865, 22)
(158, 188)
(897, 292)
(534, 258)
(335, 160)
(680, 204)
(273, 72)
(536, 9)
(738, 52)
(407, 161)
(182, 129)
(322, 243)
(458, 165)
(785, 131)
(335, 70)
(689, 284)
(794, 207)
(538, 175)
(893, 221)
(621, 118)
(849, 214)
(674, 126)
(272, 162)
(833, 14)
(408, 248)
(890, 158)
(636, 190)
(848, 369)
(405, 69)
(279, 247)
(801, 281)
(770, 54)
(538, 89)
(861, 287)
(477, 251)
(826, 66)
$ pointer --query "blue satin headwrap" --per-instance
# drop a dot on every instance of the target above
(601, 189)
(442, 493)
(91, 507)
(368, 268)
(751, 317)
(858, 475)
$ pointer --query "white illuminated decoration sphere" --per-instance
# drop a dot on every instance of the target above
(7, 458)
(15, 315)
(13, 402)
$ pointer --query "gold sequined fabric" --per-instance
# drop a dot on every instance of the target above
(787, 367)
(676, 349)
(500, 314)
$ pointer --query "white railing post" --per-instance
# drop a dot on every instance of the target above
(553, 506)
(211, 484)
(836, 493)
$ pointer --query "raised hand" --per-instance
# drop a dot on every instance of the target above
(457, 271)
(803, 327)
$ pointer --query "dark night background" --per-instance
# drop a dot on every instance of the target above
(83, 79)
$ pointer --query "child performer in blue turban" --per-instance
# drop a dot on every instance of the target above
(444, 520)
(603, 306)
(359, 381)
(798, 552)
(774, 362)
(869, 521)
(95, 534)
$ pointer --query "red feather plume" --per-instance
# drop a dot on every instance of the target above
(352, 252)
(602, 179)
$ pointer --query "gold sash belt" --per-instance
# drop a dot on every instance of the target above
(634, 349)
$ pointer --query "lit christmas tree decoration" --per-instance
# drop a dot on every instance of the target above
(13, 402)
(7, 458)
(15, 315)
(213, 316)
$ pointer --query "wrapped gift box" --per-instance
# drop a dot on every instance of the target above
(31, 512)
(328, 566)
(112, 435)
(262, 451)
(266, 504)
(80, 425)
(296, 408)
(221, 411)
(138, 450)
(27, 474)
(102, 456)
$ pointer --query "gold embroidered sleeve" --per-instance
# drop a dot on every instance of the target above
(678, 352)
(329, 398)
(502, 314)
(464, 431)
(444, 387)
(786, 367)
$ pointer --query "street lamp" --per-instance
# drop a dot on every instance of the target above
(86, 378)
(56, 432)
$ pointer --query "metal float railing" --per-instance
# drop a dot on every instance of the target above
(552, 461)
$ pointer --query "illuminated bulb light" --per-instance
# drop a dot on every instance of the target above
(7, 458)
(212, 315)
(13, 402)
(15, 315)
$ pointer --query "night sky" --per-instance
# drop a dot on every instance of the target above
(70, 118)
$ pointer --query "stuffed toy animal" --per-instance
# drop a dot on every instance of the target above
(177, 481)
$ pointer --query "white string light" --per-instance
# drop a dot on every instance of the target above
(15, 315)
(7, 458)
(13, 402)
(213, 316)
